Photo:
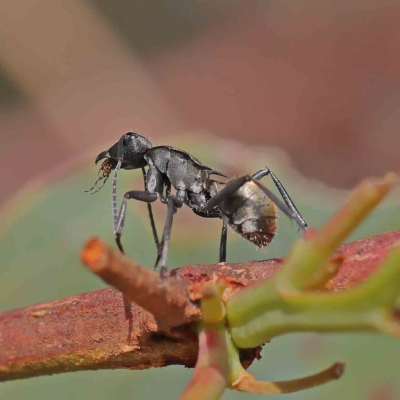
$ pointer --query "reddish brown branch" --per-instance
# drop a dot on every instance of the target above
(89, 331)
(94, 330)
(168, 301)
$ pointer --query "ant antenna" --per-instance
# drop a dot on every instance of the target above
(104, 182)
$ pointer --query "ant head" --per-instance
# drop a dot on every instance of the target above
(133, 148)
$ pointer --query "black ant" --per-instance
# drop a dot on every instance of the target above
(244, 204)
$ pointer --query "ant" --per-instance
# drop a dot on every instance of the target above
(244, 204)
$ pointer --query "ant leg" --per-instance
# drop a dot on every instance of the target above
(261, 173)
(150, 210)
(136, 195)
(120, 156)
(230, 188)
(235, 185)
(222, 246)
(289, 211)
(114, 195)
(285, 195)
(162, 255)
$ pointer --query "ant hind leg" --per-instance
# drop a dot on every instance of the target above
(290, 211)
(236, 184)
(283, 192)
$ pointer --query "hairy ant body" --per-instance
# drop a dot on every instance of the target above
(244, 204)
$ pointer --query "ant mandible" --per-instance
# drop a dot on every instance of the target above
(244, 204)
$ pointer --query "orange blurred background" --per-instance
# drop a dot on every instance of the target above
(320, 79)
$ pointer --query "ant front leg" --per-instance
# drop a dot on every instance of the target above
(162, 254)
(136, 195)
(120, 156)
(285, 195)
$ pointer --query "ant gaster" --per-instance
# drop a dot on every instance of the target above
(244, 204)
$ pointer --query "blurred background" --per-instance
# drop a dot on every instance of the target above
(310, 89)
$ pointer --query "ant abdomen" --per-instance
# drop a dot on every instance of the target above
(259, 231)
(251, 213)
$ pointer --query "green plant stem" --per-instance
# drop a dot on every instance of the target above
(210, 377)
(367, 307)
(211, 374)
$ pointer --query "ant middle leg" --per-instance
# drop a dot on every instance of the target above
(285, 195)
(162, 254)
(150, 212)
(136, 195)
